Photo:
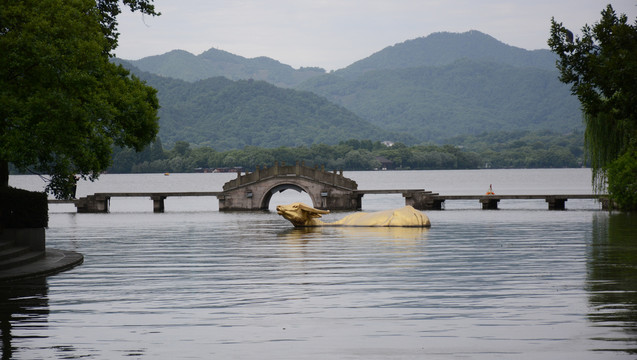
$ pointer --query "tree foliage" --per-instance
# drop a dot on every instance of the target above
(520, 149)
(63, 104)
(622, 175)
(524, 149)
(601, 67)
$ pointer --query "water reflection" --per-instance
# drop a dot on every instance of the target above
(612, 279)
(24, 307)
(395, 240)
(398, 247)
(380, 232)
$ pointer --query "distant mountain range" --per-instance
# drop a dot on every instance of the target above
(180, 64)
(444, 48)
(421, 90)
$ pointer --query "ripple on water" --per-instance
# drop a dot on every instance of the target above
(510, 284)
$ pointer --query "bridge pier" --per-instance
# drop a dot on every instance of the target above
(158, 203)
(489, 203)
(93, 204)
(422, 200)
(607, 204)
(340, 200)
(556, 203)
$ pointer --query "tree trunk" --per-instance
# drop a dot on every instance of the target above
(4, 173)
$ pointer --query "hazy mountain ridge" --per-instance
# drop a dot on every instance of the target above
(183, 65)
(444, 48)
(436, 49)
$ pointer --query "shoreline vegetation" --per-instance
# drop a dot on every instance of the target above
(522, 149)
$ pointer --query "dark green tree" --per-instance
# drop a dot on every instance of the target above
(63, 104)
(601, 67)
(182, 148)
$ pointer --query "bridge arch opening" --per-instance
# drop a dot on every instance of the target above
(278, 196)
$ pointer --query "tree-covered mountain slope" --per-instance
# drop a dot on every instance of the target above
(465, 97)
(444, 48)
(226, 114)
(180, 64)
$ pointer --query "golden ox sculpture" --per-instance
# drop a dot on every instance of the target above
(302, 215)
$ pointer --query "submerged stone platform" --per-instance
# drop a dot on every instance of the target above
(49, 262)
(23, 254)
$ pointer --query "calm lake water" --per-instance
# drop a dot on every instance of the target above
(521, 282)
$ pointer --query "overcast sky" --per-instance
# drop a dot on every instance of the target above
(332, 34)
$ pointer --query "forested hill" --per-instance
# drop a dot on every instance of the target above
(434, 87)
(183, 65)
(444, 48)
(449, 84)
(226, 114)
(464, 97)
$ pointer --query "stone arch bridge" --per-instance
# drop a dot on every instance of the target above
(328, 190)
(253, 191)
